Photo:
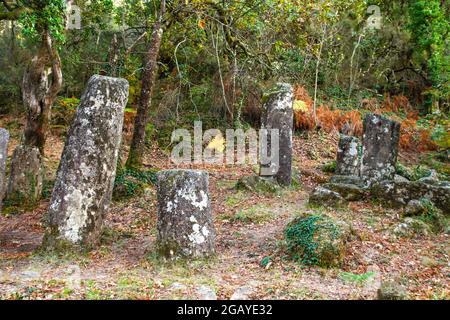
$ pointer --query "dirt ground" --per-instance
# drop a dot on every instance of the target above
(249, 228)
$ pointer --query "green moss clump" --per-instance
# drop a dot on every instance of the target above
(433, 216)
(413, 173)
(54, 245)
(403, 171)
(132, 182)
(169, 249)
(411, 228)
(257, 184)
(329, 167)
(18, 202)
(317, 240)
(47, 188)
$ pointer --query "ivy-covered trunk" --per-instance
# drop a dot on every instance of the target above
(148, 80)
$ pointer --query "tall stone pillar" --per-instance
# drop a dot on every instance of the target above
(4, 139)
(87, 170)
(278, 114)
(380, 148)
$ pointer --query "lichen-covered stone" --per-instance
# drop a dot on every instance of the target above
(380, 148)
(437, 183)
(4, 139)
(318, 240)
(257, 184)
(436, 220)
(411, 228)
(349, 192)
(398, 194)
(185, 224)
(25, 180)
(86, 173)
(399, 178)
(433, 179)
(415, 208)
(404, 171)
(390, 290)
(278, 114)
(355, 180)
(325, 197)
(348, 160)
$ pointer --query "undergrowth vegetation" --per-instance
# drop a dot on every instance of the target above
(132, 182)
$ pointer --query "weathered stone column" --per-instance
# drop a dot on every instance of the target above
(348, 162)
(87, 170)
(4, 139)
(380, 148)
(27, 174)
(278, 114)
(185, 223)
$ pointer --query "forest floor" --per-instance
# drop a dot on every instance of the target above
(249, 228)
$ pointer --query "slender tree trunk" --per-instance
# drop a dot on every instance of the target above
(316, 81)
(148, 80)
(13, 39)
(352, 76)
(228, 111)
(113, 57)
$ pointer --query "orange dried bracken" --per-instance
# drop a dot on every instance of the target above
(411, 137)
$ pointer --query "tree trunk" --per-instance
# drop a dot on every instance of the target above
(316, 81)
(148, 81)
(113, 57)
(38, 96)
(25, 181)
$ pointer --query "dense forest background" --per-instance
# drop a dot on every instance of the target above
(216, 58)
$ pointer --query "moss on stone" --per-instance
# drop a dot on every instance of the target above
(323, 197)
(349, 192)
(54, 244)
(433, 216)
(329, 167)
(317, 240)
(411, 228)
(169, 249)
(257, 184)
(273, 92)
(18, 202)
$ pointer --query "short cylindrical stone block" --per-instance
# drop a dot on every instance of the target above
(348, 162)
(185, 223)
(87, 170)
